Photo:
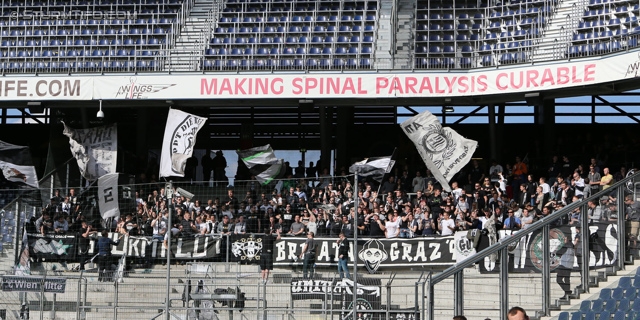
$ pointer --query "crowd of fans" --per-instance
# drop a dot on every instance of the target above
(402, 206)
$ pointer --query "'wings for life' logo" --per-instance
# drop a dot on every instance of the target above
(135, 90)
(633, 68)
(183, 140)
(373, 254)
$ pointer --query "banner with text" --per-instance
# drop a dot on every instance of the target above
(526, 255)
(373, 253)
(369, 296)
(144, 247)
(34, 284)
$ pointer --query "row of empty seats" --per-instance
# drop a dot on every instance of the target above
(469, 34)
(619, 303)
(70, 35)
(286, 64)
(293, 35)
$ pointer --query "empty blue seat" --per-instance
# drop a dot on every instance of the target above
(630, 293)
(576, 315)
(623, 305)
(611, 305)
(585, 306)
(563, 315)
(617, 293)
(597, 306)
(620, 315)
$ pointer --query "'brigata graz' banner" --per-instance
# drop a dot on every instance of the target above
(373, 253)
(191, 248)
(52, 247)
(526, 255)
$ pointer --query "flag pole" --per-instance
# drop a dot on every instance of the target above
(169, 193)
(355, 244)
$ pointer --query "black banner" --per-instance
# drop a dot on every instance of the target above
(245, 248)
(526, 255)
(52, 247)
(192, 248)
(369, 294)
(34, 284)
(373, 253)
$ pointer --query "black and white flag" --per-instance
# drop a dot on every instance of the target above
(95, 149)
(17, 166)
(262, 163)
(178, 142)
(375, 167)
(108, 196)
(443, 150)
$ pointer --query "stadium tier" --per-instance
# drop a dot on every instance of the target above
(86, 36)
(142, 35)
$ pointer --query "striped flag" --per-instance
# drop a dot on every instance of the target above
(375, 167)
(262, 163)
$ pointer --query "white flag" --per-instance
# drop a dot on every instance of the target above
(443, 150)
(108, 196)
(178, 142)
(95, 149)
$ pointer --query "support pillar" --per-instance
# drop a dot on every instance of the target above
(344, 125)
(546, 119)
(325, 139)
(142, 149)
(492, 132)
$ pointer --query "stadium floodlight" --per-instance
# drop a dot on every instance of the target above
(100, 114)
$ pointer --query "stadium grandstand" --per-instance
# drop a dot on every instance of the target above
(545, 215)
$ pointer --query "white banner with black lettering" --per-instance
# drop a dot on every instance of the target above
(178, 142)
(95, 149)
(108, 195)
(443, 150)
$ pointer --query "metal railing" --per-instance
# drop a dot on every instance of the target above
(502, 248)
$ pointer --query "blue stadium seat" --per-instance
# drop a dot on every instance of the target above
(601, 315)
(617, 293)
(611, 305)
(636, 305)
(365, 63)
(625, 282)
(624, 305)
(563, 316)
(590, 315)
(630, 293)
(620, 315)
(576, 315)
(585, 306)
(597, 306)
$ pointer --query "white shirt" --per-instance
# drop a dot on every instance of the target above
(445, 231)
(392, 228)
(579, 184)
(545, 188)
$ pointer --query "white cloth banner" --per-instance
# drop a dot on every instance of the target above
(95, 149)
(464, 246)
(108, 196)
(178, 142)
(443, 150)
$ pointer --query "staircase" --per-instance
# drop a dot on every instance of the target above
(404, 44)
(195, 35)
(384, 36)
(553, 44)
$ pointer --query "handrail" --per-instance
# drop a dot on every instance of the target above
(505, 242)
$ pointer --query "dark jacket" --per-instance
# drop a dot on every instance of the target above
(343, 249)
